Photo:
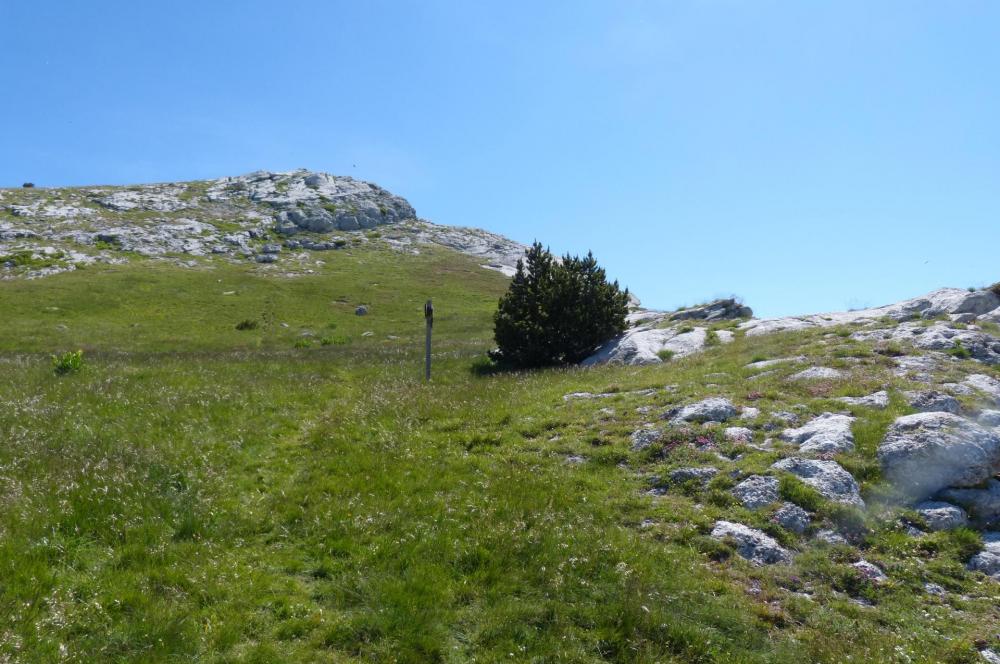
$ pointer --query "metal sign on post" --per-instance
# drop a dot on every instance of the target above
(429, 317)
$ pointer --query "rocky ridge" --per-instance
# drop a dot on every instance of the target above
(265, 217)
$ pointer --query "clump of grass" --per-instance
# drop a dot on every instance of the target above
(68, 363)
(247, 324)
(303, 343)
(959, 351)
(794, 490)
(712, 338)
(665, 354)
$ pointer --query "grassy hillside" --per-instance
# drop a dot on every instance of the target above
(294, 492)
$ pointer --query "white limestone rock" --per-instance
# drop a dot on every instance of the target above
(827, 433)
(752, 544)
(940, 515)
(828, 477)
(757, 491)
(878, 400)
(713, 409)
(926, 452)
(817, 373)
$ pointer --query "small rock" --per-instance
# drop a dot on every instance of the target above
(361, 311)
(990, 656)
(826, 433)
(680, 475)
(879, 400)
(752, 544)
(757, 491)
(817, 373)
(870, 571)
(738, 434)
(714, 409)
(929, 401)
(942, 516)
(271, 249)
(983, 503)
(266, 258)
(935, 589)
(827, 477)
(368, 333)
(644, 437)
(831, 537)
(749, 413)
(792, 518)
(987, 561)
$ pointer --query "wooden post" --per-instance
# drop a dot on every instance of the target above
(429, 317)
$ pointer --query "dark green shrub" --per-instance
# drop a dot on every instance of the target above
(247, 324)
(557, 313)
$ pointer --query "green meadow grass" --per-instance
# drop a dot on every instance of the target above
(295, 492)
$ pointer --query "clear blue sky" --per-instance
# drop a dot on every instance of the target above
(807, 156)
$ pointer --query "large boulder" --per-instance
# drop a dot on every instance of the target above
(648, 345)
(926, 452)
(828, 477)
(791, 517)
(752, 544)
(825, 433)
(713, 409)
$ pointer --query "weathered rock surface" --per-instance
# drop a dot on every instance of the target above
(926, 452)
(752, 544)
(793, 518)
(738, 434)
(987, 561)
(817, 373)
(942, 301)
(986, 385)
(649, 345)
(940, 515)
(930, 401)
(939, 336)
(644, 437)
(878, 400)
(679, 475)
(757, 491)
(983, 504)
(870, 571)
(713, 409)
(825, 433)
(828, 477)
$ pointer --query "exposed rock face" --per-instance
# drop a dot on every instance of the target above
(738, 434)
(987, 385)
(827, 477)
(943, 301)
(757, 491)
(825, 433)
(942, 516)
(752, 544)
(644, 437)
(716, 310)
(926, 452)
(713, 409)
(648, 345)
(939, 336)
(983, 504)
(679, 475)
(930, 401)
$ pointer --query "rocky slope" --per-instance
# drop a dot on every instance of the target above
(264, 217)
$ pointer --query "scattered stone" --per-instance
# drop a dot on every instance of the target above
(987, 561)
(644, 437)
(738, 435)
(817, 373)
(926, 452)
(749, 413)
(941, 515)
(681, 475)
(929, 401)
(870, 571)
(271, 249)
(785, 416)
(757, 491)
(714, 409)
(361, 311)
(940, 337)
(826, 433)
(879, 400)
(752, 544)
(792, 518)
(830, 537)
(266, 258)
(935, 589)
(761, 364)
(827, 477)
(990, 656)
(982, 503)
